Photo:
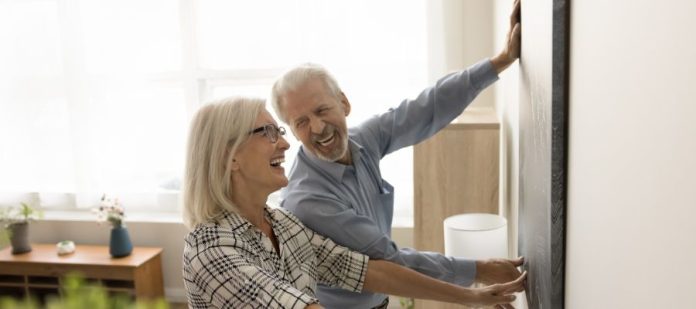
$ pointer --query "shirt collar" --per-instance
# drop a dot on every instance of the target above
(335, 169)
(238, 224)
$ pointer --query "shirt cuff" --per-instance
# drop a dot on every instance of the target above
(464, 271)
(295, 301)
(354, 279)
(483, 74)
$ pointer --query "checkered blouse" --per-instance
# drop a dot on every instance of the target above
(232, 264)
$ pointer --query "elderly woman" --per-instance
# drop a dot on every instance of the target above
(243, 254)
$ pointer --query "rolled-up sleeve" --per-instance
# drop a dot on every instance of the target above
(338, 266)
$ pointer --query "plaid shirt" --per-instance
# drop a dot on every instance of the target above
(232, 264)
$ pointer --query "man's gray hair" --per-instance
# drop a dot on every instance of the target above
(296, 77)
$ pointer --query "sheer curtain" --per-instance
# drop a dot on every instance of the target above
(96, 96)
(84, 111)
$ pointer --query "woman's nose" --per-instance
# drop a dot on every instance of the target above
(283, 143)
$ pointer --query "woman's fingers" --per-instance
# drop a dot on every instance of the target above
(513, 286)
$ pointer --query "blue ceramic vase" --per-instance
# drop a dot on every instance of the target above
(120, 244)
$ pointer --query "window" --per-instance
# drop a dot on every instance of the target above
(96, 96)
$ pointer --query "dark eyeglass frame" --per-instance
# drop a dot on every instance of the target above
(270, 131)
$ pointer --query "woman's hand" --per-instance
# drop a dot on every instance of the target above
(493, 271)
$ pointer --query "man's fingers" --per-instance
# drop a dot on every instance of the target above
(518, 261)
(516, 31)
(515, 40)
(515, 15)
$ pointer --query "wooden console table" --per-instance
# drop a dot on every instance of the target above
(40, 272)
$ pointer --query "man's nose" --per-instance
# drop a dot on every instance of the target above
(317, 125)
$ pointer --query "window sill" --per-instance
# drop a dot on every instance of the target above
(88, 215)
(159, 217)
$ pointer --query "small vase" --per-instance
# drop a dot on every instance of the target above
(20, 238)
(120, 243)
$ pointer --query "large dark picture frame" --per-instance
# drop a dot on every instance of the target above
(543, 149)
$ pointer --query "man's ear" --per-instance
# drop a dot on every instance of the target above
(345, 103)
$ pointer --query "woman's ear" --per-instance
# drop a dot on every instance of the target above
(231, 163)
(234, 165)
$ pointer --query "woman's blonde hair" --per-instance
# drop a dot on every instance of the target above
(217, 130)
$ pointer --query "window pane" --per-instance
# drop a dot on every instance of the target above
(33, 101)
(29, 37)
(130, 36)
(260, 90)
(133, 137)
(83, 114)
(247, 34)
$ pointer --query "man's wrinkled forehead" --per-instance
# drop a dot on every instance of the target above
(310, 93)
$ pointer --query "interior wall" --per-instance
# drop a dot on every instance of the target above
(507, 106)
(507, 100)
(632, 140)
(460, 34)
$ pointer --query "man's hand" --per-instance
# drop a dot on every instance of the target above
(500, 294)
(494, 271)
(512, 47)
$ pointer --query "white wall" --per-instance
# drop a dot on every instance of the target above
(631, 240)
(507, 106)
(632, 140)
(460, 34)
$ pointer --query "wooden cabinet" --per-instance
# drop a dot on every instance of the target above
(456, 171)
(40, 272)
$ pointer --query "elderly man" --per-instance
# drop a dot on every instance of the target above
(336, 187)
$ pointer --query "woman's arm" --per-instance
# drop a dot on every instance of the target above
(390, 278)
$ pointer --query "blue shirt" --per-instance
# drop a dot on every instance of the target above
(353, 205)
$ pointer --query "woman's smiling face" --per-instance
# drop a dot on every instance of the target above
(258, 161)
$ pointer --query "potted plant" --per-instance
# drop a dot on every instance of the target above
(15, 225)
(111, 210)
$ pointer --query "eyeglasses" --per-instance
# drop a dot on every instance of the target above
(271, 131)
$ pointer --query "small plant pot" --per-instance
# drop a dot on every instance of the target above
(19, 238)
